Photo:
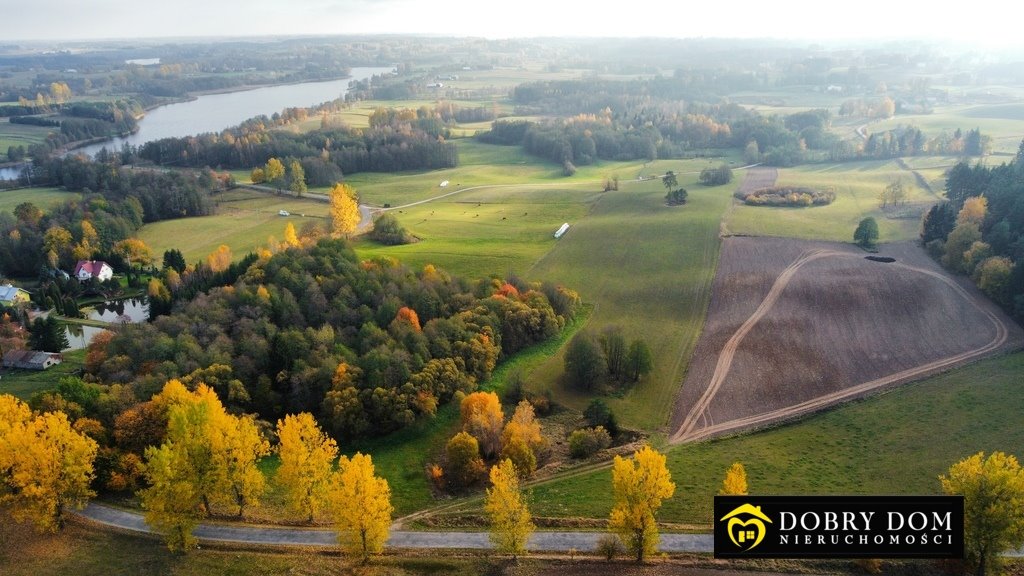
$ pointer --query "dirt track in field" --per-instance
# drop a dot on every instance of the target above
(797, 326)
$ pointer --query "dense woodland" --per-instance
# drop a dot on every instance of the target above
(395, 141)
(369, 346)
(979, 230)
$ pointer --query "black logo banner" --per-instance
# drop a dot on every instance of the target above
(839, 527)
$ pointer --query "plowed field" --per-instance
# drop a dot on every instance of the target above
(796, 326)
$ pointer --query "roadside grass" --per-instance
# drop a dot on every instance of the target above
(857, 186)
(44, 198)
(648, 268)
(895, 443)
(24, 383)
(84, 549)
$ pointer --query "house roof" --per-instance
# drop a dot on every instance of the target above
(33, 357)
(9, 293)
(93, 267)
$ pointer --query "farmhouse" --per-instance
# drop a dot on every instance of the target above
(31, 359)
(89, 269)
(11, 295)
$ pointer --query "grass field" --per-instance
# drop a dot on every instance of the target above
(43, 198)
(244, 221)
(856, 184)
(1003, 122)
(20, 135)
(896, 443)
(648, 268)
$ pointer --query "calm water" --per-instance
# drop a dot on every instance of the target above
(11, 173)
(215, 112)
(132, 310)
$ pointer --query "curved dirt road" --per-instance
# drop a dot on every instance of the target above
(688, 430)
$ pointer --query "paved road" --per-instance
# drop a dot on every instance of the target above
(277, 536)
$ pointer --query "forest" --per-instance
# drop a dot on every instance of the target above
(979, 230)
(370, 346)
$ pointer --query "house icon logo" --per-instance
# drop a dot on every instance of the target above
(746, 526)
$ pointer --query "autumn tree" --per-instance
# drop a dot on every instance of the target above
(291, 239)
(360, 503)
(219, 259)
(639, 485)
(670, 180)
(521, 439)
(297, 178)
(735, 482)
(345, 215)
(273, 173)
(993, 491)
(172, 501)
(464, 463)
(306, 457)
(483, 418)
(241, 446)
(510, 517)
(45, 465)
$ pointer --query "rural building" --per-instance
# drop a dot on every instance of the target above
(89, 269)
(562, 230)
(11, 295)
(31, 359)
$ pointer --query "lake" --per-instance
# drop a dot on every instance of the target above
(215, 112)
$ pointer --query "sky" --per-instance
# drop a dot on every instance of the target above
(787, 19)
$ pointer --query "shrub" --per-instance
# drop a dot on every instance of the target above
(588, 441)
(787, 196)
(599, 414)
(609, 546)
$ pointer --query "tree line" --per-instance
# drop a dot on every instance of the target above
(979, 230)
(115, 203)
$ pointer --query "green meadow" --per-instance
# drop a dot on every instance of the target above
(857, 186)
(20, 135)
(43, 198)
(244, 220)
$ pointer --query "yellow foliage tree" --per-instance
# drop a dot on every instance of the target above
(219, 259)
(360, 503)
(306, 457)
(241, 446)
(483, 418)
(974, 211)
(993, 491)
(135, 251)
(257, 176)
(345, 215)
(639, 485)
(273, 172)
(521, 439)
(291, 239)
(510, 517)
(45, 465)
(735, 482)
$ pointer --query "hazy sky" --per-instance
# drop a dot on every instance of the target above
(995, 24)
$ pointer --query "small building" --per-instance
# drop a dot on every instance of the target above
(11, 295)
(31, 359)
(562, 230)
(89, 269)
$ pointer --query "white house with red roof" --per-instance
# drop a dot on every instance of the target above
(89, 269)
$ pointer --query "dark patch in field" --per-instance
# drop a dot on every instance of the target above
(884, 259)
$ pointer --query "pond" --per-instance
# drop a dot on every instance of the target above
(133, 310)
(215, 112)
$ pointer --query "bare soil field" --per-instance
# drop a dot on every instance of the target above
(796, 326)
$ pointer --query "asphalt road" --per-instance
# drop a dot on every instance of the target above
(285, 536)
